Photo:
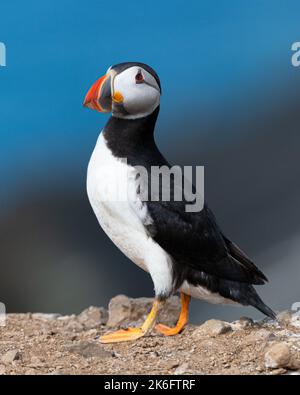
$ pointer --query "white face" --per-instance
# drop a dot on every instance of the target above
(139, 90)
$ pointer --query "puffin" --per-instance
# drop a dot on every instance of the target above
(184, 252)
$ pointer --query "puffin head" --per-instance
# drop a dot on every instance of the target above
(128, 90)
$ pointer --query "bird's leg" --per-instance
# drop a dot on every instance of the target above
(182, 321)
(129, 334)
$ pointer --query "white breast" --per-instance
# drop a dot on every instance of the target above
(111, 187)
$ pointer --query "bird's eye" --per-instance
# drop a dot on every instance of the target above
(139, 78)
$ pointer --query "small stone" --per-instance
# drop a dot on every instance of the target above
(242, 323)
(295, 320)
(10, 356)
(173, 364)
(214, 327)
(93, 317)
(2, 370)
(88, 350)
(284, 317)
(277, 372)
(181, 369)
(120, 310)
(278, 356)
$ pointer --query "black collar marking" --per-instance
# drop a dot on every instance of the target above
(133, 139)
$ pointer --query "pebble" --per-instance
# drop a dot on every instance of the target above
(284, 317)
(11, 356)
(213, 328)
(242, 323)
(93, 317)
(277, 372)
(278, 356)
(181, 369)
(295, 321)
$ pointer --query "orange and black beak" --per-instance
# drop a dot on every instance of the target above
(99, 97)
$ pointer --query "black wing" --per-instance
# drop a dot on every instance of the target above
(240, 256)
(194, 239)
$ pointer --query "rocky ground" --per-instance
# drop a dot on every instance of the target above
(52, 344)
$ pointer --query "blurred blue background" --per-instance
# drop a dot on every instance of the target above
(230, 102)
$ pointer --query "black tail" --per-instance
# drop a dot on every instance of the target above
(265, 310)
(256, 302)
(244, 294)
(245, 261)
